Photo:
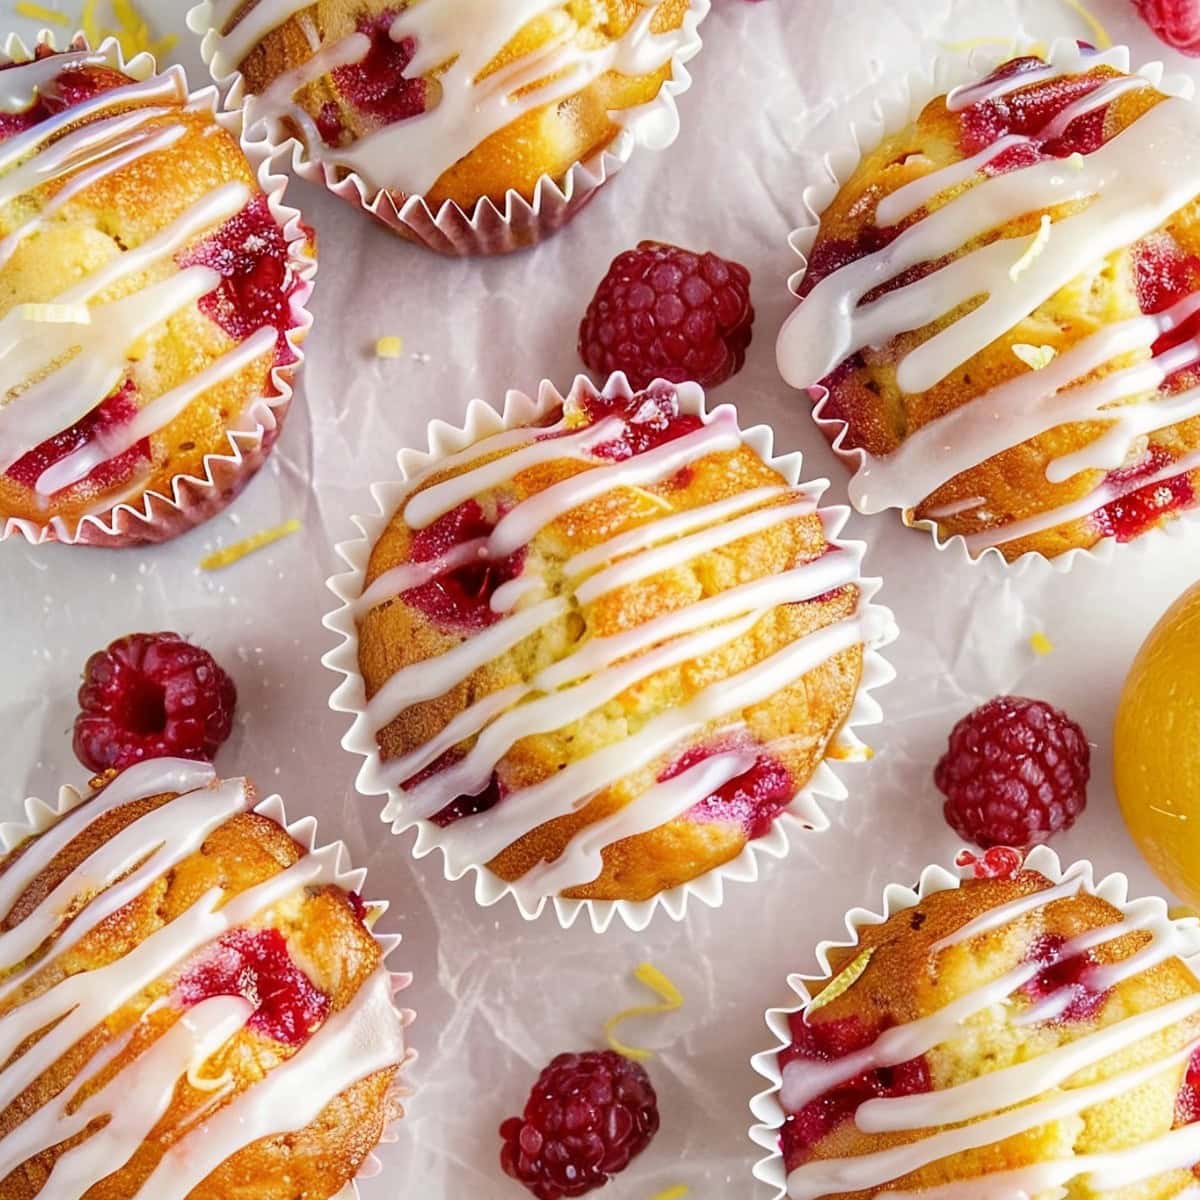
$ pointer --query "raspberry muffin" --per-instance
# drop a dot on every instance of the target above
(219, 1017)
(597, 653)
(999, 311)
(454, 101)
(151, 299)
(1026, 1033)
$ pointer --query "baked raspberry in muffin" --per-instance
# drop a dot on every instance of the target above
(1015, 1035)
(213, 1015)
(449, 100)
(150, 301)
(998, 315)
(603, 651)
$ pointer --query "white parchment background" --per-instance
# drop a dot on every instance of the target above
(497, 997)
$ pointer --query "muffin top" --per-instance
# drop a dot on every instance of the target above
(1000, 307)
(448, 99)
(1013, 1036)
(147, 288)
(215, 1014)
(575, 633)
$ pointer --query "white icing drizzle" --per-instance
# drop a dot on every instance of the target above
(56, 372)
(1131, 185)
(362, 1038)
(598, 669)
(1016, 1097)
(458, 39)
(356, 1042)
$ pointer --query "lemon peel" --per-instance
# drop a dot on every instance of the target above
(389, 347)
(39, 12)
(1041, 644)
(1034, 357)
(1035, 247)
(228, 555)
(672, 1193)
(842, 982)
(664, 989)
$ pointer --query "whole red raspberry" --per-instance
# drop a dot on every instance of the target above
(1176, 22)
(151, 695)
(587, 1115)
(662, 312)
(1016, 772)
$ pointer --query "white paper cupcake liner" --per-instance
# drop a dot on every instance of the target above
(766, 1108)
(804, 813)
(488, 228)
(155, 516)
(876, 115)
(40, 816)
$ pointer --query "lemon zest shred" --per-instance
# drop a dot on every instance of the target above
(55, 314)
(1034, 357)
(228, 555)
(672, 1193)
(1041, 644)
(664, 989)
(1035, 247)
(841, 983)
(389, 347)
(39, 12)
(1103, 41)
(650, 497)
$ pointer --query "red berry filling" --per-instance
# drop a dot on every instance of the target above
(652, 418)
(1000, 862)
(587, 1116)
(460, 806)
(72, 86)
(151, 695)
(1061, 975)
(1139, 510)
(1187, 1103)
(752, 799)
(1028, 111)
(460, 599)
(358, 905)
(118, 409)
(251, 256)
(376, 84)
(288, 1007)
(829, 1041)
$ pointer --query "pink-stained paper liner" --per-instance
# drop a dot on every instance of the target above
(154, 516)
(766, 1108)
(40, 816)
(805, 813)
(520, 222)
(872, 117)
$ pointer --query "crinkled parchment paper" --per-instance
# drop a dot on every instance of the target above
(496, 997)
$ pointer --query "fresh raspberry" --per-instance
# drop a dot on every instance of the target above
(587, 1115)
(1176, 22)
(1016, 772)
(662, 312)
(151, 695)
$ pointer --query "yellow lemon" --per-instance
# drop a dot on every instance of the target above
(1156, 747)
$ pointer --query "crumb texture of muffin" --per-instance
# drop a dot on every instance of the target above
(603, 652)
(1014, 1036)
(452, 100)
(999, 313)
(148, 291)
(191, 1003)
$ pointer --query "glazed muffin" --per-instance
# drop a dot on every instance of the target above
(217, 1019)
(999, 310)
(150, 301)
(603, 651)
(1014, 1035)
(450, 100)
